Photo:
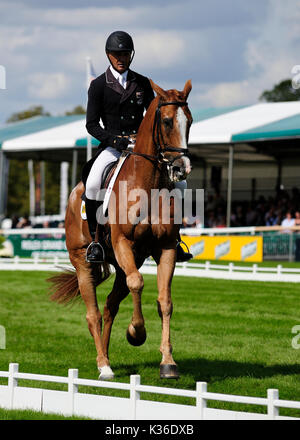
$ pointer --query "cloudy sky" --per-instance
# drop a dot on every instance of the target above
(231, 49)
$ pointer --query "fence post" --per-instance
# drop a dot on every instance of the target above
(291, 247)
(201, 387)
(273, 411)
(12, 383)
(254, 268)
(279, 267)
(72, 388)
(135, 379)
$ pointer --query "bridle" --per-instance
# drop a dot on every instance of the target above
(157, 137)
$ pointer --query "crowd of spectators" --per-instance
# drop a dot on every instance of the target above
(282, 209)
(24, 222)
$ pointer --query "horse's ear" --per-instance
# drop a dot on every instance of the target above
(158, 90)
(187, 88)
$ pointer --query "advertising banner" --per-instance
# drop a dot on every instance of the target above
(43, 247)
(230, 247)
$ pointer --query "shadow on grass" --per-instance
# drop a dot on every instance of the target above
(213, 370)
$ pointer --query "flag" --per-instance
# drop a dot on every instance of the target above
(90, 75)
(90, 72)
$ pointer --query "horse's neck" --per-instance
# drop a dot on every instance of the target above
(144, 142)
(152, 176)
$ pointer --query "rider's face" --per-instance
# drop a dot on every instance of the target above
(120, 60)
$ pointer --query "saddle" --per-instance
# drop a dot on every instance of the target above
(106, 177)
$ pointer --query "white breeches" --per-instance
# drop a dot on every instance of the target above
(106, 157)
(94, 179)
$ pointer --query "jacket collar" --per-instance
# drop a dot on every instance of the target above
(114, 84)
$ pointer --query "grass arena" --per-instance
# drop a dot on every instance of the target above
(234, 335)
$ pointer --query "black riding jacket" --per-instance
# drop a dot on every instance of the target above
(120, 110)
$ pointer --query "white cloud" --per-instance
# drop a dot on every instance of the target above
(158, 49)
(232, 50)
(48, 85)
(272, 53)
(225, 94)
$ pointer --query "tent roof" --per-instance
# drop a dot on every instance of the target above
(252, 128)
(43, 132)
(252, 123)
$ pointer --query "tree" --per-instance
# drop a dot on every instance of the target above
(35, 110)
(283, 91)
(78, 110)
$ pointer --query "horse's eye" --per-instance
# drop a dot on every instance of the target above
(168, 122)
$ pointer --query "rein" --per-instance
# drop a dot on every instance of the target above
(157, 135)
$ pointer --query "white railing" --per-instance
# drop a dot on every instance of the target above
(72, 402)
(229, 271)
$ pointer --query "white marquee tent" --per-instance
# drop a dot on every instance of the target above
(257, 132)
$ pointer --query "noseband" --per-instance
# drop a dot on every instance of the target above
(157, 135)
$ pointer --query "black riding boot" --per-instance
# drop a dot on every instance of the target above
(181, 254)
(94, 252)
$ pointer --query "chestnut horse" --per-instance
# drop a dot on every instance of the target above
(157, 160)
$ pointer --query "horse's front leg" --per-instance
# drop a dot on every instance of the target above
(165, 269)
(136, 332)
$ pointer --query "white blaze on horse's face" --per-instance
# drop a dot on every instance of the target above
(182, 121)
(182, 124)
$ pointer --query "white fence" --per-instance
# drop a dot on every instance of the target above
(200, 270)
(95, 406)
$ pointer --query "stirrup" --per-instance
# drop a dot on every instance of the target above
(95, 253)
(181, 255)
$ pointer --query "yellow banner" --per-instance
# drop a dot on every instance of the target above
(230, 247)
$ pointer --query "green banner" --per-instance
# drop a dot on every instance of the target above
(44, 247)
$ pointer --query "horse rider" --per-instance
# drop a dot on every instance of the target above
(118, 98)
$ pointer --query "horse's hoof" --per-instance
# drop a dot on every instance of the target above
(136, 337)
(106, 373)
(169, 371)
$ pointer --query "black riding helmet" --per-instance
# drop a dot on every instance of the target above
(120, 41)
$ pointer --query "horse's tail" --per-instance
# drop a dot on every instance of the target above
(64, 287)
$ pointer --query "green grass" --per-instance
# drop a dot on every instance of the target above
(6, 414)
(234, 335)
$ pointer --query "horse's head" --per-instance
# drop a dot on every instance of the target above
(171, 130)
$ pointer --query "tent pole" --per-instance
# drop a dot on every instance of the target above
(31, 188)
(64, 190)
(4, 166)
(74, 168)
(229, 185)
(89, 148)
(43, 203)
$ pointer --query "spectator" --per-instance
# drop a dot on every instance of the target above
(15, 221)
(297, 218)
(271, 218)
(251, 215)
(288, 221)
(24, 222)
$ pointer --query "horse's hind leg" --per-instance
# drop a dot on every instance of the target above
(119, 292)
(165, 269)
(87, 286)
(136, 332)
